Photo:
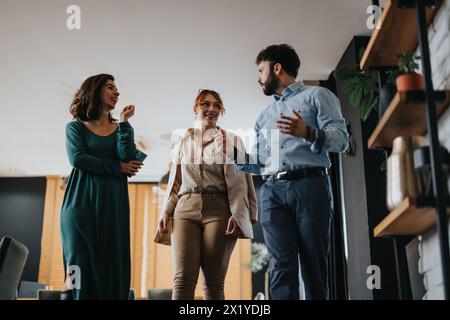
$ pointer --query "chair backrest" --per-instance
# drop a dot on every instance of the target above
(160, 294)
(132, 294)
(67, 295)
(13, 256)
(49, 294)
(29, 289)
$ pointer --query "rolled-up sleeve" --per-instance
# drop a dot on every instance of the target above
(331, 134)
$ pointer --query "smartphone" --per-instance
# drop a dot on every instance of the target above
(140, 155)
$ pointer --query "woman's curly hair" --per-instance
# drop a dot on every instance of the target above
(86, 102)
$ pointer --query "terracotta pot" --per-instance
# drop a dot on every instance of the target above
(410, 82)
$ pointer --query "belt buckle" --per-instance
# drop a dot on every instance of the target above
(281, 175)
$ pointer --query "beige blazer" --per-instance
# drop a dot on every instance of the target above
(241, 191)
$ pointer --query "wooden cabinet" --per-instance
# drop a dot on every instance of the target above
(151, 263)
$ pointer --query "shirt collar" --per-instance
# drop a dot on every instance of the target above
(293, 88)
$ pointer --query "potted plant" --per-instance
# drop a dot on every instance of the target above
(408, 79)
(363, 90)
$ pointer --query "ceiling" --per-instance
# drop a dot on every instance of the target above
(161, 53)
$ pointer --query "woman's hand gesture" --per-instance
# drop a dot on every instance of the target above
(127, 113)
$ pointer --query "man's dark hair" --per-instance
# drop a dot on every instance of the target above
(283, 54)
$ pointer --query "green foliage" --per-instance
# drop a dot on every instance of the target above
(362, 88)
(391, 76)
(407, 63)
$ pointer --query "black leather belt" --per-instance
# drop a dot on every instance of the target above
(299, 174)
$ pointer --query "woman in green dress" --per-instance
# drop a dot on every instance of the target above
(95, 211)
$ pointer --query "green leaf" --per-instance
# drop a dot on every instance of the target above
(363, 110)
(368, 96)
(356, 96)
(344, 74)
(407, 62)
(391, 76)
(361, 87)
(351, 84)
(365, 113)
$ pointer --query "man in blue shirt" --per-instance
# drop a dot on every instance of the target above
(294, 135)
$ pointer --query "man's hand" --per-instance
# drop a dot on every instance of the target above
(126, 113)
(296, 127)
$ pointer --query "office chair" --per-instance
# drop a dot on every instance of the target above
(29, 289)
(160, 294)
(132, 294)
(49, 294)
(13, 256)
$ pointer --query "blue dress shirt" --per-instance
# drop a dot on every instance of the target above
(275, 151)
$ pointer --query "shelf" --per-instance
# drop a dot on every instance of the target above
(406, 116)
(407, 219)
(397, 33)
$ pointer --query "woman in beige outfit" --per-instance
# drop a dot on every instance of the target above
(210, 203)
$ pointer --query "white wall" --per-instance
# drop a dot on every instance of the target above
(161, 52)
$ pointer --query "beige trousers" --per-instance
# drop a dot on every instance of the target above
(199, 242)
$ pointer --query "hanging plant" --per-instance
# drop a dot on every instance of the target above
(361, 87)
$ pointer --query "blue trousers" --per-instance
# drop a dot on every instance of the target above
(296, 217)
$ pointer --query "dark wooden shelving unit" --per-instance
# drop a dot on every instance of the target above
(396, 33)
(407, 219)
(405, 116)
(402, 26)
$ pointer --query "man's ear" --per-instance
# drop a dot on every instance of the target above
(277, 69)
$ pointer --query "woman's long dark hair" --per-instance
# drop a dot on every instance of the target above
(87, 101)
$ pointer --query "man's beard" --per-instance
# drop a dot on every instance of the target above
(271, 85)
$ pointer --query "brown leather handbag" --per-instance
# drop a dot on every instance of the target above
(164, 237)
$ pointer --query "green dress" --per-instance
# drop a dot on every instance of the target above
(95, 223)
